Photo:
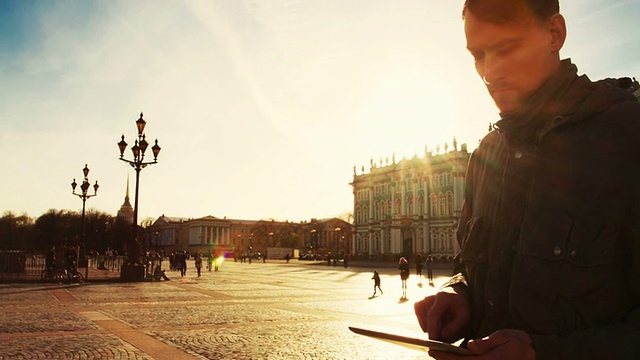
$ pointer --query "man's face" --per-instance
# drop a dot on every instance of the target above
(513, 59)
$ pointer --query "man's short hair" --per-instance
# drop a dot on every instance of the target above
(502, 11)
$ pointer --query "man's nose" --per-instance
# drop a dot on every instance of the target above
(492, 71)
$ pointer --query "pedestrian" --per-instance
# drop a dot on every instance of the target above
(181, 260)
(210, 261)
(70, 257)
(419, 267)
(403, 265)
(198, 262)
(428, 263)
(49, 259)
(376, 283)
(549, 265)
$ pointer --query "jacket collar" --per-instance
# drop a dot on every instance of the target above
(548, 107)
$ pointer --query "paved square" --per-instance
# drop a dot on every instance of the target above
(244, 311)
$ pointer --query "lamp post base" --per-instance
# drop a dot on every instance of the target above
(131, 273)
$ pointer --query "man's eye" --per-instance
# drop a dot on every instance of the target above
(506, 50)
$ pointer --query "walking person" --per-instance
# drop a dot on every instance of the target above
(428, 263)
(403, 265)
(419, 267)
(549, 264)
(210, 261)
(49, 259)
(181, 260)
(198, 262)
(376, 283)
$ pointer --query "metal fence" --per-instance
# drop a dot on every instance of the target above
(22, 265)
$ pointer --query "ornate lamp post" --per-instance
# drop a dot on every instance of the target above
(138, 151)
(337, 238)
(84, 195)
(314, 240)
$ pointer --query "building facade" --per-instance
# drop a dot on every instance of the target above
(411, 206)
(236, 237)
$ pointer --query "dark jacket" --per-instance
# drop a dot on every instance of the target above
(550, 229)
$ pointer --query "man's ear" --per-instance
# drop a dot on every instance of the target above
(558, 32)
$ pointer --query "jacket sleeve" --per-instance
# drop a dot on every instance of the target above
(459, 275)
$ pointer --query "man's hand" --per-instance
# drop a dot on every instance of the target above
(501, 345)
(443, 315)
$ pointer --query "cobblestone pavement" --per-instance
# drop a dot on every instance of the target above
(243, 311)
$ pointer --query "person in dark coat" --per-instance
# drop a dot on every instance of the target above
(419, 266)
(403, 265)
(376, 283)
(549, 234)
(428, 263)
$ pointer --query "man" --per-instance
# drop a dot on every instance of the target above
(429, 265)
(549, 266)
(49, 259)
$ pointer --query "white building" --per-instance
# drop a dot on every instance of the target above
(411, 206)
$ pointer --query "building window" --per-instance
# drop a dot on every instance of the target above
(376, 211)
(434, 205)
(441, 203)
(449, 203)
(434, 240)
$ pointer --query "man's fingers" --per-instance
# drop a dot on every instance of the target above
(434, 320)
(457, 320)
(420, 309)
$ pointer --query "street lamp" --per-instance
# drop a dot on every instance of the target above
(138, 151)
(84, 195)
(314, 239)
(337, 237)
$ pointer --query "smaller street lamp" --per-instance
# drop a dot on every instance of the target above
(337, 237)
(314, 239)
(84, 195)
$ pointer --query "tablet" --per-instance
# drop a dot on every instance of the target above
(412, 342)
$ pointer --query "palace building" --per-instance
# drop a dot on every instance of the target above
(410, 206)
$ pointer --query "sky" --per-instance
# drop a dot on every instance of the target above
(262, 107)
